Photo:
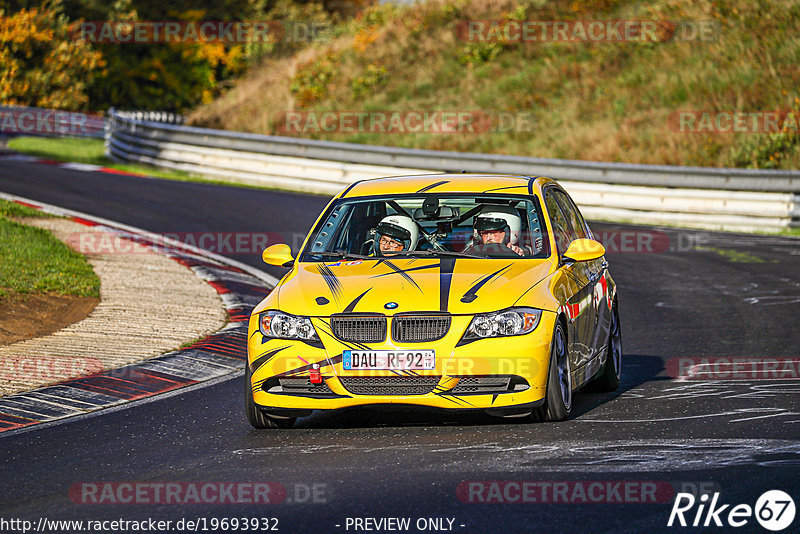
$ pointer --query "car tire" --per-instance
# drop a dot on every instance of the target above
(608, 378)
(256, 417)
(558, 397)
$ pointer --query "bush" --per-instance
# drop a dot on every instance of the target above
(768, 151)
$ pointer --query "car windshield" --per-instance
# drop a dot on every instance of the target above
(452, 225)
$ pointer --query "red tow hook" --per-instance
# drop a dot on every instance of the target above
(314, 374)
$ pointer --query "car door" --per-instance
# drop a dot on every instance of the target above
(578, 301)
(599, 313)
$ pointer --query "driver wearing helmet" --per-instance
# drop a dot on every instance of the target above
(394, 234)
(496, 227)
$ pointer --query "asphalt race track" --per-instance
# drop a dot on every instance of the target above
(696, 295)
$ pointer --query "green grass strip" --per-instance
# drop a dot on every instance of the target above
(32, 260)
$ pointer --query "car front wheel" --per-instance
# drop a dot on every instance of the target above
(558, 397)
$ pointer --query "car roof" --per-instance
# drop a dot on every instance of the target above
(447, 183)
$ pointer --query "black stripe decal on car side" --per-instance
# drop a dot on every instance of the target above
(261, 360)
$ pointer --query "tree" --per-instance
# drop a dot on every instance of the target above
(40, 65)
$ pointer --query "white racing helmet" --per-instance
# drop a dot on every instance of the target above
(400, 228)
(499, 218)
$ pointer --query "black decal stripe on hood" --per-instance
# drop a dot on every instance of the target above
(446, 268)
(330, 278)
(472, 293)
(352, 306)
(262, 359)
(431, 186)
(431, 266)
(401, 272)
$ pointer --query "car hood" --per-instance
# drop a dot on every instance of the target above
(457, 286)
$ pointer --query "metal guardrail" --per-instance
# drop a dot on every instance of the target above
(732, 199)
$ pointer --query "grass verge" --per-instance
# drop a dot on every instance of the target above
(32, 260)
(87, 150)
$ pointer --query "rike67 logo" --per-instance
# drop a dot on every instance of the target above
(774, 510)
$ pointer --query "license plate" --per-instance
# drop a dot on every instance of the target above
(387, 360)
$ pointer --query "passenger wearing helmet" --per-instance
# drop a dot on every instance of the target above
(496, 227)
(394, 234)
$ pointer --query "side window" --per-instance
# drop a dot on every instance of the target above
(534, 230)
(572, 213)
(562, 230)
(331, 226)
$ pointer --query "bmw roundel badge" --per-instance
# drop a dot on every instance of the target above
(390, 305)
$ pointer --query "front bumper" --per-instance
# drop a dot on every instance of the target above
(462, 379)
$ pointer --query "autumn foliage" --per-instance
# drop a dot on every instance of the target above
(39, 65)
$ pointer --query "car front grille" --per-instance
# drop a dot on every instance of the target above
(389, 385)
(419, 328)
(359, 329)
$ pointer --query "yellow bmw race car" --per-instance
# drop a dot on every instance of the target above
(465, 292)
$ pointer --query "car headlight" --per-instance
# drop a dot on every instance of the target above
(510, 322)
(284, 326)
